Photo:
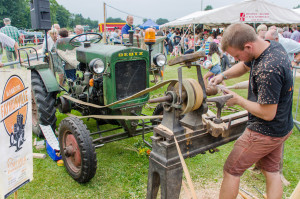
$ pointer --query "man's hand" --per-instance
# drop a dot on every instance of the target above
(235, 100)
(1, 64)
(216, 80)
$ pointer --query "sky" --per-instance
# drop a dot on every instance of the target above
(153, 9)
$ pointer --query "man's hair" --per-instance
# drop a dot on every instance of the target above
(237, 35)
(273, 33)
(6, 20)
(56, 26)
(52, 31)
(261, 27)
(128, 16)
(79, 27)
(63, 32)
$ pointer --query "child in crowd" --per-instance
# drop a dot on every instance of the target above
(176, 46)
(215, 68)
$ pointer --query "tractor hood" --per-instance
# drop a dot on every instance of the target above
(109, 52)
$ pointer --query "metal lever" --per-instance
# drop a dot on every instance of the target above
(220, 102)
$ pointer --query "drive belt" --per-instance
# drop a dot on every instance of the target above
(143, 92)
(117, 117)
(122, 117)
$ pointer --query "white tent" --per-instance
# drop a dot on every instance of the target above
(297, 10)
(248, 11)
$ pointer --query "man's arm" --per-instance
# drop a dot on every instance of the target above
(236, 70)
(264, 111)
(16, 47)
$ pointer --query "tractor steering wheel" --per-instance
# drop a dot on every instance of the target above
(95, 38)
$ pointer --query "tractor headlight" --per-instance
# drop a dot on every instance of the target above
(159, 59)
(97, 66)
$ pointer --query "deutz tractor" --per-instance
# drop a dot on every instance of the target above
(104, 74)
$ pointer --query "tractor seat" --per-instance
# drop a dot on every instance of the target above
(69, 56)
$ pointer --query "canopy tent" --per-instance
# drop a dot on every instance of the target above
(149, 23)
(297, 10)
(248, 11)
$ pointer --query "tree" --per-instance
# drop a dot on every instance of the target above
(144, 20)
(161, 21)
(298, 6)
(53, 8)
(114, 20)
(208, 7)
(63, 16)
(18, 11)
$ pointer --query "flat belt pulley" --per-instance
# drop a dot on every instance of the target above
(192, 94)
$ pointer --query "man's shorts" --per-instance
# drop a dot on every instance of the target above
(253, 147)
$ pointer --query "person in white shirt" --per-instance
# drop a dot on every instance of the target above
(51, 41)
(9, 42)
(290, 46)
(80, 30)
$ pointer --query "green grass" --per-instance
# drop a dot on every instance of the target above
(122, 172)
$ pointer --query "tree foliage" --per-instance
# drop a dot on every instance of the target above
(208, 7)
(298, 6)
(19, 13)
(114, 20)
(161, 21)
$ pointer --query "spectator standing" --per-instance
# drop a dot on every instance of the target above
(69, 70)
(127, 27)
(166, 42)
(80, 30)
(51, 41)
(286, 32)
(224, 56)
(116, 36)
(261, 30)
(296, 34)
(159, 32)
(176, 46)
(13, 33)
(290, 46)
(6, 41)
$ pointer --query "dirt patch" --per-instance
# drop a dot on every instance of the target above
(208, 190)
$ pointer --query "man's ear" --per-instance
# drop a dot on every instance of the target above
(248, 46)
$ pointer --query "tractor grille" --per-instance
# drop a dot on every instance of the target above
(130, 78)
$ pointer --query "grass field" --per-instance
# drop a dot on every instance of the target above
(122, 172)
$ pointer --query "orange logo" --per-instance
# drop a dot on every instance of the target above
(13, 109)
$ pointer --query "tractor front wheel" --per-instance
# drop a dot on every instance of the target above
(77, 149)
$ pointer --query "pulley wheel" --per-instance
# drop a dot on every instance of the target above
(188, 95)
(198, 93)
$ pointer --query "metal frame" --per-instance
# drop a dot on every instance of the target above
(296, 123)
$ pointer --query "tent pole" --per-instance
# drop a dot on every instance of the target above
(194, 39)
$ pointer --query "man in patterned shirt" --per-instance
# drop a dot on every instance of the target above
(13, 33)
(269, 106)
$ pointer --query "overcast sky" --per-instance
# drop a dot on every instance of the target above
(153, 9)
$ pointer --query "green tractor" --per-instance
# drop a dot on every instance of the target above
(105, 74)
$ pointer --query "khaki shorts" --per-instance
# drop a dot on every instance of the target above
(253, 147)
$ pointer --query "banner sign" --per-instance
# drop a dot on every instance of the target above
(16, 164)
(254, 17)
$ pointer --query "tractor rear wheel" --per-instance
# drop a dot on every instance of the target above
(43, 105)
(77, 149)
